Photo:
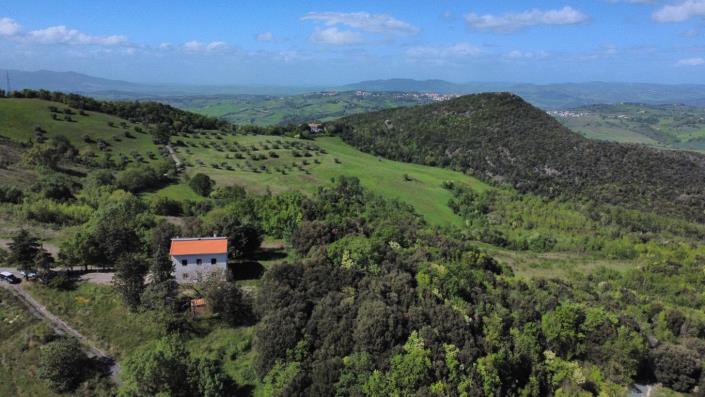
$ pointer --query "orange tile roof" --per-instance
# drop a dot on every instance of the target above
(199, 246)
(198, 302)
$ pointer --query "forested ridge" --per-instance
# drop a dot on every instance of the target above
(500, 137)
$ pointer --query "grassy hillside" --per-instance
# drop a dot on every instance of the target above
(500, 137)
(670, 126)
(272, 110)
(415, 184)
(19, 118)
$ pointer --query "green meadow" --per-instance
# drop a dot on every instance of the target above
(20, 117)
(281, 164)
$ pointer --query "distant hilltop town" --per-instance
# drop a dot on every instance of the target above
(420, 96)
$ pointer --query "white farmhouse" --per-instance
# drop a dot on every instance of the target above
(196, 256)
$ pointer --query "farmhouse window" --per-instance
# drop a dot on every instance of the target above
(213, 261)
(199, 261)
(184, 262)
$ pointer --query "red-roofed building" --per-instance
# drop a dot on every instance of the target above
(198, 256)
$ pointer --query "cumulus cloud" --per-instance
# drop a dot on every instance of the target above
(56, 35)
(265, 36)
(335, 36)
(691, 62)
(197, 46)
(439, 53)
(63, 35)
(373, 23)
(8, 27)
(680, 12)
(512, 22)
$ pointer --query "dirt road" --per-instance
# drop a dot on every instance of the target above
(62, 328)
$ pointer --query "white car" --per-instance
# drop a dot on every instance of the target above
(29, 275)
(9, 277)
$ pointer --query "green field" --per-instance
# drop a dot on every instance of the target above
(415, 184)
(20, 117)
(665, 126)
(296, 109)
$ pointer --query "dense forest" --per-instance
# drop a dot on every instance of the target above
(501, 138)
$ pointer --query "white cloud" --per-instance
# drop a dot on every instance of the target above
(439, 53)
(511, 22)
(335, 37)
(8, 27)
(197, 46)
(373, 23)
(165, 46)
(265, 36)
(680, 12)
(633, 1)
(691, 62)
(519, 55)
(63, 35)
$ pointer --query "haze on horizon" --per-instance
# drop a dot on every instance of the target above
(335, 42)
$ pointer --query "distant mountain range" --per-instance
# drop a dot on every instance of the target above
(547, 96)
(118, 89)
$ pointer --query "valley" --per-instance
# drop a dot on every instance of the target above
(664, 126)
(296, 109)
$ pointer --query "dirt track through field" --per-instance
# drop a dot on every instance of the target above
(40, 311)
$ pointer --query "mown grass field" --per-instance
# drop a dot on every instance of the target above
(318, 161)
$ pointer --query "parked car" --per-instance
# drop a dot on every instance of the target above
(28, 275)
(9, 277)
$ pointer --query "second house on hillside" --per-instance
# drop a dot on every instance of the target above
(196, 257)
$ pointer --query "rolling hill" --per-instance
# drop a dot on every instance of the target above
(279, 110)
(668, 126)
(256, 162)
(502, 138)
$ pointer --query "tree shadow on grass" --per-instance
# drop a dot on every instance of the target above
(245, 270)
(268, 255)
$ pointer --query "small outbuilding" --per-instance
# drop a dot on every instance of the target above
(315, 127)
(196, 257)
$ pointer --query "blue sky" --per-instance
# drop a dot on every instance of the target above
(333, 42)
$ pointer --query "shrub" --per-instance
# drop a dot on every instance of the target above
(62, 363)
(10, 194)
(55, 187)
(139, 178)
(675, 366)
(202, 184)
(47, 211)
(166, 206)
